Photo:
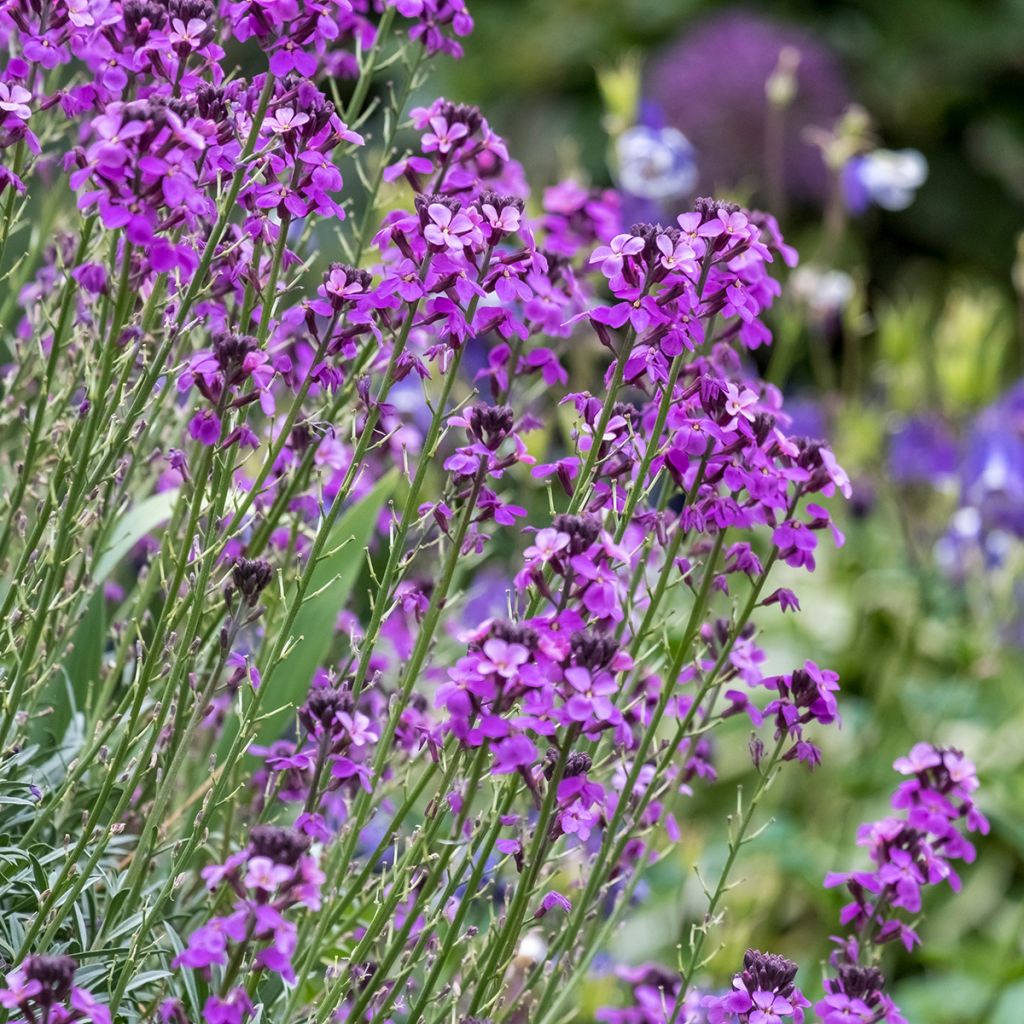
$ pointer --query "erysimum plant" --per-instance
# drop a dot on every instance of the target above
(356, 661)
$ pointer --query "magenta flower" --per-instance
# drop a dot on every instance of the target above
(443, 137)
(447, 230)
(14, 101)
(612, 256)
(550, 901)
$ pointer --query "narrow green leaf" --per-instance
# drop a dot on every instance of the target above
(139, 520)
(332, 584)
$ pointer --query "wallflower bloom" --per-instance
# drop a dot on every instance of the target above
(763, 993)
(42, 988)
(909, 852)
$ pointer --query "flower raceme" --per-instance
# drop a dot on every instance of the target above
(43, 988)
(566, 576)
(910, 851)
(914, 848)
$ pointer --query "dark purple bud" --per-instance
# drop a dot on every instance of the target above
(230, 351)
(593, 650)
(768, 972)
(250, 577)
(462, 113)
(280, 844)
(582, 531)
(491, 424)
(512, 633)
(322, 707)
(577, 763)
(54, 974)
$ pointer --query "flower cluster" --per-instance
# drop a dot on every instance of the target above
(722, 443)
(565, 573)
(857, 996)
(915, 848)
(764, 992)
(43, 989)
(274, 873)
(339, 739)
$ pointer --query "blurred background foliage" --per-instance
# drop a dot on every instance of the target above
(904, 371)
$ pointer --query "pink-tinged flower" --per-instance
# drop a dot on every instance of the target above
(285, 120)
(732, 225)
(188, 36)
(503, 658)
(80, 13)
(612, 256)
(547, 543)
(14, 100)
(740, 404)
(506, 220)
(676, 256)
(443, 136)
(921, 758)
(264, 874)
(447, 230)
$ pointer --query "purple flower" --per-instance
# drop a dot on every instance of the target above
(43, 985)
(763, 993)
(910, 851)
(727, 125)
(550, 901)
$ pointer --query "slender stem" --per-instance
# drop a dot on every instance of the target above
(736, 842)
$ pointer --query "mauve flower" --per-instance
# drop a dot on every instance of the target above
(14, 101)
(611, 256)
(446, 230)
(550, 901)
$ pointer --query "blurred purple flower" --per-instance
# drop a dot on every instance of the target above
(923, 450)
(711, 85)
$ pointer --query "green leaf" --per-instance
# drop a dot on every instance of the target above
(140, 519)
(82, 665)
(328, 593)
